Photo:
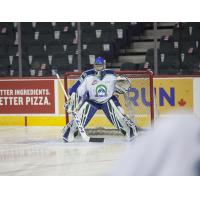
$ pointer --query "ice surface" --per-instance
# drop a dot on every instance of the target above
(41, 151)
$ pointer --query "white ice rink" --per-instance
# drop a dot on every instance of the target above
(170, 148)
(41, 151)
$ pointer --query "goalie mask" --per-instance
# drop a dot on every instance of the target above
(100, 64)
(122, 84)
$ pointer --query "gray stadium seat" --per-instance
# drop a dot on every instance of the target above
(46, 38)
(169, 65)
(4, 66)
(65, 27)
(14, 69)
(67, 37)
(44, 27)
(36, 50)
(27, 27)
(189, 63)
(55, 49)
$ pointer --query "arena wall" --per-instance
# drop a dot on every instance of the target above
(39, 102)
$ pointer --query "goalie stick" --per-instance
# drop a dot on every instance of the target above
(80, 127)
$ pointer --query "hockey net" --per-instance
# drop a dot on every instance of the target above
(138, 105)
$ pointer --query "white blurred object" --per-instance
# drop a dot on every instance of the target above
(171, 149)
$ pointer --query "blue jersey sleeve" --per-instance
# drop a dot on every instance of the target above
(74, 87)
(78, 83)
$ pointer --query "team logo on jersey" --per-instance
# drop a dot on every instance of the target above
(101, 91)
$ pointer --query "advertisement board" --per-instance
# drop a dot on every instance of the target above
(27, 96)
(173, 94)
(41, 101)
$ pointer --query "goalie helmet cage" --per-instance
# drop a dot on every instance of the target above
(140, 104)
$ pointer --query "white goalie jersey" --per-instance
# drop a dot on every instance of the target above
(99, 90)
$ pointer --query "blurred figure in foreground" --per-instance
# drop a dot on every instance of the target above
(171, 149)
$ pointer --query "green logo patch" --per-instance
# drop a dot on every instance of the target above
(101, 91)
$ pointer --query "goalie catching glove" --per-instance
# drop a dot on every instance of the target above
(73, 103)
(122, 84)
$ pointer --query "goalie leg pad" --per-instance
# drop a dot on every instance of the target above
(69, 132)
(85, 113)
(119, 120)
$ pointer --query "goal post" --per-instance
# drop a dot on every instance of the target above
(139, 104)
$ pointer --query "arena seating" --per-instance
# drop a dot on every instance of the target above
(179, 53)
(49, 47)
(129, 65)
